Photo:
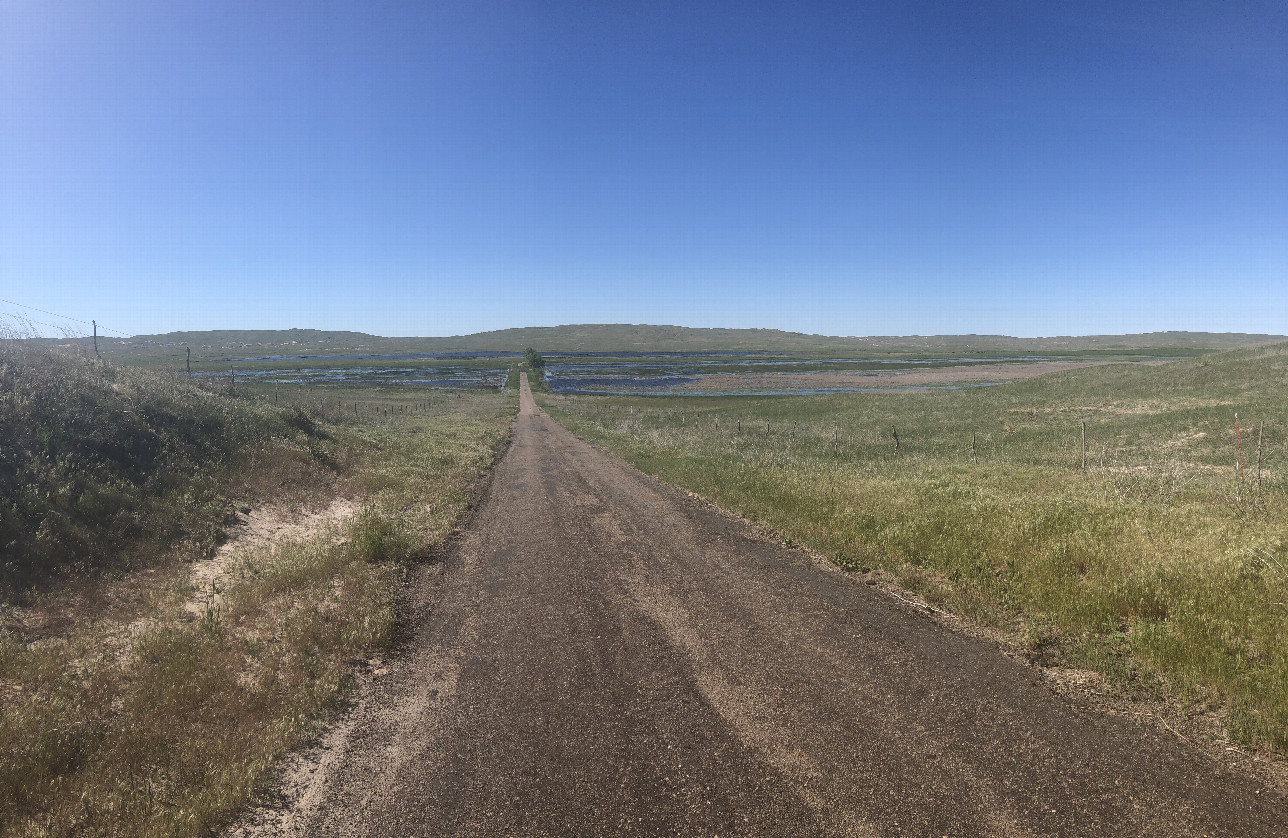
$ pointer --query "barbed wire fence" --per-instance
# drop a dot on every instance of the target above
(18, 326)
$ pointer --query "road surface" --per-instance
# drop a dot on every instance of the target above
(601, 655)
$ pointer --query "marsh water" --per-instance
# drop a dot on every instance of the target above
(714, 373)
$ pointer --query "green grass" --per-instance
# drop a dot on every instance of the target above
(1154, 566)
(121, 715)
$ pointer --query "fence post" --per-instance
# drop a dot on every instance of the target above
(974, 458)
(895, 431)
(188, 359)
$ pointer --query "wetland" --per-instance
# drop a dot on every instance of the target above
(684, 373)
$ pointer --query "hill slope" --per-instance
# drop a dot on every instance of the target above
(102, 464)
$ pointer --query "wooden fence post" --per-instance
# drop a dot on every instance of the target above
(974, 458)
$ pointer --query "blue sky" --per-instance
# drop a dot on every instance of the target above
(842, 168)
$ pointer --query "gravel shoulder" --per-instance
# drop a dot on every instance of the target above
(600, 654)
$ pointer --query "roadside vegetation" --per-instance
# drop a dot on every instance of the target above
(136, 700)
(1151, 562)
(106, 467)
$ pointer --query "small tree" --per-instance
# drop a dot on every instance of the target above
(533, 360)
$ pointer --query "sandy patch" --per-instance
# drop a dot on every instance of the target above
(260, 529)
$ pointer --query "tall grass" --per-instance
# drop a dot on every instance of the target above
(145, 722)
(104, 466)
(1155, 565)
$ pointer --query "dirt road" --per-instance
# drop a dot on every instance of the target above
(602, 656)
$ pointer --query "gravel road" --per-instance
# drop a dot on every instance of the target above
(601, 655)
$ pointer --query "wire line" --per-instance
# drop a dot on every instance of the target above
(65, 317)
(24, 319)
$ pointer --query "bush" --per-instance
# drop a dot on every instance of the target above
(532, 358)
(377, 538)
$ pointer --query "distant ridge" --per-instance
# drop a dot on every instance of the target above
(596, 337)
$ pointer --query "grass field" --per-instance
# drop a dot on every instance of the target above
(122, 712)
(1155, 565)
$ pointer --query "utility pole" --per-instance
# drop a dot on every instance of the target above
(188, 360)
(95, 322)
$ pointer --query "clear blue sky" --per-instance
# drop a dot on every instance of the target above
(1027, 168)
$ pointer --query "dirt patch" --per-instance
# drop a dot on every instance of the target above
(260, 529)
(123, 609)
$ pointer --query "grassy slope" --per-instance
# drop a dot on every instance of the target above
(108, 467)
(129, 718)
(1155, 566)
(168, 349)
